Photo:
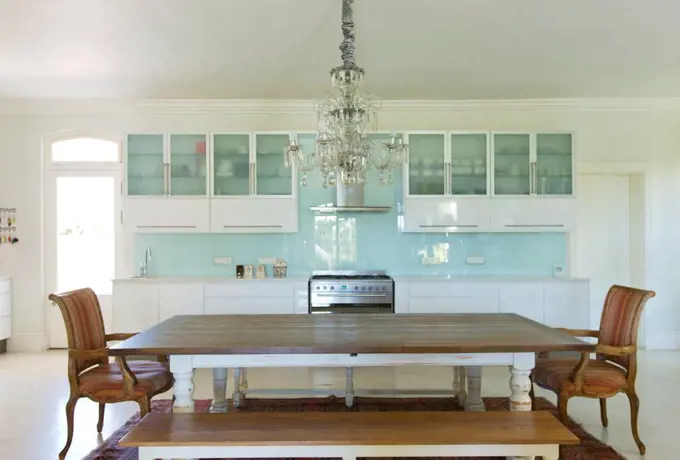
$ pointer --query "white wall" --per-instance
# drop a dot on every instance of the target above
(608, 136)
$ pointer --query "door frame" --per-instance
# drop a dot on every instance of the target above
(53, 171)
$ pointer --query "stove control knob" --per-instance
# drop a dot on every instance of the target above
(370, 288)
(318, 287)
(384, 288)
(325, 287)
(332, 288)
(363, 288)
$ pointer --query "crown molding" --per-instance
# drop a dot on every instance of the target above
(253, 106)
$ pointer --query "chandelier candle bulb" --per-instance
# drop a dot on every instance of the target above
(343, 150)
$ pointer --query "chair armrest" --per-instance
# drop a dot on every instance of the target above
(580, 369)
(119, 336)
(129, 379)
(581, 332)
(615, 351)
(88, 354)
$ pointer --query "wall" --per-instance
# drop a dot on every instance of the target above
(607, 132)
(356, 241)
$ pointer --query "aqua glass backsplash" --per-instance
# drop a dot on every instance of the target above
(356, 241)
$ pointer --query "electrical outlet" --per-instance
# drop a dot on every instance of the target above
(475, 260)
(222, 260)
(266, 260)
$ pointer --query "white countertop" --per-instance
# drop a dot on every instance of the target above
(397, 279)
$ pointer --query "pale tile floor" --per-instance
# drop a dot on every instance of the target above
(34, 390)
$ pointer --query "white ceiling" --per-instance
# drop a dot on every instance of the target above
(283, 49)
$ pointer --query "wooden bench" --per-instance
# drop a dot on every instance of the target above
(348, 435)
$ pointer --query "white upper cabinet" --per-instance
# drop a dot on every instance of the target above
(533, 164)
(253, 191)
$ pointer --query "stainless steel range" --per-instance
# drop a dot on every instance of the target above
(369, 291)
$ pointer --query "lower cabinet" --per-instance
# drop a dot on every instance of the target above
(525, 299)
(179, 299)
(567, 305)
(135, 306)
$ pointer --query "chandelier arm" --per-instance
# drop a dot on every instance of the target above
(347, 45)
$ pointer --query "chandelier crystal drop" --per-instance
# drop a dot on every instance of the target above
(348, 113)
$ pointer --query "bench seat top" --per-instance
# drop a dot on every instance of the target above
(348, 428)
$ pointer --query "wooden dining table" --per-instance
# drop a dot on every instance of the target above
(350, 340)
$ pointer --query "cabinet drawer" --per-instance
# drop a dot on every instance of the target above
(251, 288)
(436, 215)
(453, 305)
(248, 306)
(5, 327)
(167, 215)
(5, 304)
(453, 289)
(254, 215)
(533, 214)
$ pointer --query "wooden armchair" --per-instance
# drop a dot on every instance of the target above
(90, 374)
(614, 368)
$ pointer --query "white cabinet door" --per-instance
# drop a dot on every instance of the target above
(401, 297)
(301, 298)
(533, 214)
(254, 215)
(452, 305)
(525, 299)
(179, 299)
(566, 304)
(135, 306)
(447, 214)
(249, 306)
(167, 215)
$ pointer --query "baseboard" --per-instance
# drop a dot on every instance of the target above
(663, 340)
(28, 343)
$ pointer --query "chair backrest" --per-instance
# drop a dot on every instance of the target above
(620, 320)
(84, 323)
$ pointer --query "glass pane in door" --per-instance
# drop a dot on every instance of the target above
(188, 165)
(145, 164)
(231, 164)
(86, 233)
(554, 164)
(272, 177)
(426, 164)
(512, 164)
(468, 164)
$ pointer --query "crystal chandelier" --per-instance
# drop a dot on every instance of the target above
(348, 112)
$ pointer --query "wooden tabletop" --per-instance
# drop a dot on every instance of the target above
(348, 333)
(348, 428)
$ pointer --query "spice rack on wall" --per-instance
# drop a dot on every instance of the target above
(8, 227)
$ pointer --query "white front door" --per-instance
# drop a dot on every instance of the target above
(82, 235)
(603, 236)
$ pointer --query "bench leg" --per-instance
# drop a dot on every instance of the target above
(219, 402)
(349, 387)
(474, 402)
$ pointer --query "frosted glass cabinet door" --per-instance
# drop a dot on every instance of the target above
(468, 164)
(427, 157)
(554, 175)
(188, 165)
(231, 164)
(512, 164)
(145, 165)
(271, 175)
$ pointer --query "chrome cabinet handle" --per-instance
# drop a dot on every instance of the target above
(534, 179)
(167, 178)
(447, 225)
(166, 226)
(533, 225)
(252, 226)
(251, 173)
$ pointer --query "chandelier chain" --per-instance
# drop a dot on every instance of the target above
(347, 45)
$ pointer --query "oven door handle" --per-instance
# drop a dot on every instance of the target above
(356, 310)
(349, 294)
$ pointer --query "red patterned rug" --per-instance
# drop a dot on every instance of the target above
(589, 449)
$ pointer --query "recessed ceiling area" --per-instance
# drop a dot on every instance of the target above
(283, 49)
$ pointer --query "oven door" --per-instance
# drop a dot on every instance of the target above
(351, 302)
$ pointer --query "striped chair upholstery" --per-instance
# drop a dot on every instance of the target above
(84, 324)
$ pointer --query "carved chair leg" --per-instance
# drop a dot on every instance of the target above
(144, 406)
(603, 412)
(70, 410)
(562, 401)
(100, 422)
(634, 410)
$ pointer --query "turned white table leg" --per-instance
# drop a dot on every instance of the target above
(219, 402)
(244, 382)
(473, 402)
(182, 370)
(236, 395)
(460, 384)
(520, 386)
(349, 387)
